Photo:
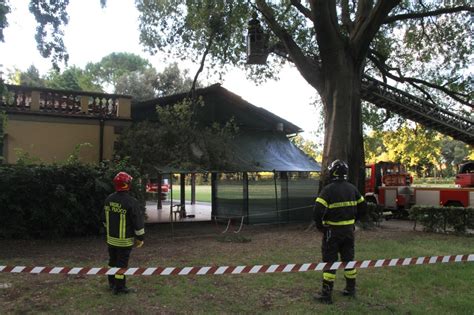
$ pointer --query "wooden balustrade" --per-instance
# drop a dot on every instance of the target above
(31, 99)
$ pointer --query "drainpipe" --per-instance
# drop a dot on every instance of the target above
(101, 139)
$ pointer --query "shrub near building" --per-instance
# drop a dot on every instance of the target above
(48, 201)
(444, 219)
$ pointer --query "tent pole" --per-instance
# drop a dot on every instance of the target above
(276, 195)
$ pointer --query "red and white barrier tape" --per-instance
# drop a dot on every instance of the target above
(219, 270)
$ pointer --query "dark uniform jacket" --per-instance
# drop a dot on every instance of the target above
(339, 204)
(123, 220)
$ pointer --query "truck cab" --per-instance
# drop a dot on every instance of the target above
(465, 176)
(385, 174)
(388, 184)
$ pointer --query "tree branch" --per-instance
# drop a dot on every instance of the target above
(201, 67)
(365, 29)
(309, 69)
(363, 10)
(304, 10)
(326, 26)
(388, 115)
(408, 16)
(345, 16)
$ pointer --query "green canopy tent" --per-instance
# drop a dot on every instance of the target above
(268, 179)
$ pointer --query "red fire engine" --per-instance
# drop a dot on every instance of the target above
(388, 184)
(152, 187)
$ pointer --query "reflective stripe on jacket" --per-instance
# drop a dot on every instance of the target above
(338, 204)
(123, 220)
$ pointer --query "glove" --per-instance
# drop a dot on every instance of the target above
(139, 243)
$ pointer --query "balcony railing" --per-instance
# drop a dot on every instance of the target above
(70, 103)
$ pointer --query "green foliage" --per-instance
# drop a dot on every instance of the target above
(373, 216)
(110, 68)
(50, 201)
(128, 74)
(141, 85)
(4, 10)
(184, 28)
(51, 16)
(72, 78)
(31, 77)
(172, 81)
(144, 84)
(307, 146)
(423, 151)
(417, 148)
(443, 219)
(176, 140)
(25, 158)
(74, 157)
(453, 153)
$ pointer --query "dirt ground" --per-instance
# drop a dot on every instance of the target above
(168, 243)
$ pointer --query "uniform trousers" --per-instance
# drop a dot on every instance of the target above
(338, 241)
(118, 257)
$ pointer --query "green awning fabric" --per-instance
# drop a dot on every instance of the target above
(269, 151)
(260, 152)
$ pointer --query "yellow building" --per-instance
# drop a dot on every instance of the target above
(48, 124)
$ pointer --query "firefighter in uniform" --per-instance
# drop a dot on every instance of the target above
(336, 210)
(124, 223)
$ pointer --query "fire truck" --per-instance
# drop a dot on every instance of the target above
(152, 187)
(389, 185)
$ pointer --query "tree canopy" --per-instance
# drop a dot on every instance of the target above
(112, 67)
(423, 151)
(131, 75)
(425, 44)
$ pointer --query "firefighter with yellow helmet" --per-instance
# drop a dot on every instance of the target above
(336, 210)
(124, 223)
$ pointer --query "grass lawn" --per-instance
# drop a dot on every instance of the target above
(435, 289)
(203, 193)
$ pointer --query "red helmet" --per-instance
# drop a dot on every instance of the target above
(122, 182)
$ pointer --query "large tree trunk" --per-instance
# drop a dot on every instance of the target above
(342, 119)
(337, 71)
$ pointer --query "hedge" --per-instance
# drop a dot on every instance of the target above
(443, 219)
(373, 216)
(50, 201)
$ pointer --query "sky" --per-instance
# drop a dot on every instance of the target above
(93, 33)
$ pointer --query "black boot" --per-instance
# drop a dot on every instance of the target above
(350, 289)
(325, 296)
(121, 286)
(111, 280)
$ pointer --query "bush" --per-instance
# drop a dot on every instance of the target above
(373, 216)
(443, 219)
(50, 201)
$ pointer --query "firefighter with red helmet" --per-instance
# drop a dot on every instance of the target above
(124, 224)
(337, 208)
